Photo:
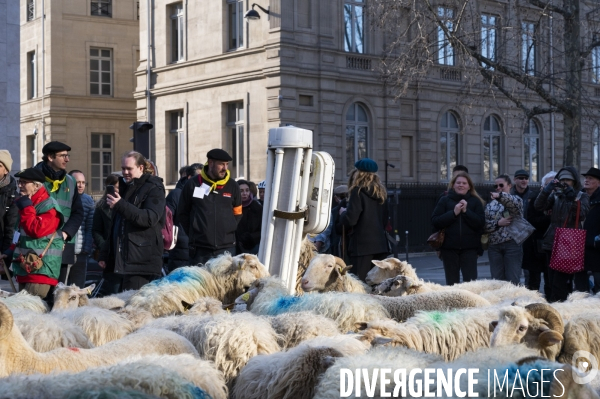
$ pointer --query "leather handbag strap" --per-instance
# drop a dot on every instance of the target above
(48, 246)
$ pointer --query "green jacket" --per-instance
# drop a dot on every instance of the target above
(53, 257)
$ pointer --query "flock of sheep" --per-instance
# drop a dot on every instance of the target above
(229, 330)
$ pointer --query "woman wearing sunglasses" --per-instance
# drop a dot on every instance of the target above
(504, 253)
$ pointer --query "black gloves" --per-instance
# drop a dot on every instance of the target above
(23, 202)
(550, 186)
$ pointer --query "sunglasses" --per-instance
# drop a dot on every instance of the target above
(501, 185)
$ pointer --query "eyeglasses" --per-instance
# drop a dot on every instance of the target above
(522, 178)
(62, 156)
(501, 185)
(22, 182)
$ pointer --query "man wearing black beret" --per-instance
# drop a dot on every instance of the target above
(63, 188)
(210, 208)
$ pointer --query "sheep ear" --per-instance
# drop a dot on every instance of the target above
(88, 290)
(493, 325)
(378, 341)
(381, 264)
(186, 306)
(60, 285)
(549, 338)
(361, 325)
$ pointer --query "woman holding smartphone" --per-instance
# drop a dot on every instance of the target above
(504, 253)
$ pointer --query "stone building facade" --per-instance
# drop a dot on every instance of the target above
(9, 80)
(77, 81)
(219, 80)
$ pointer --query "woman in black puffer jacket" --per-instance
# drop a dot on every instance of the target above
(461, 214)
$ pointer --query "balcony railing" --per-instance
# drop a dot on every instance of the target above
(358, 63)
(450, 74)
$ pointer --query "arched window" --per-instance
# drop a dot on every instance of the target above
(449, 130)
(357, 135)
(491, 148)
(531, 149)
(596, 146)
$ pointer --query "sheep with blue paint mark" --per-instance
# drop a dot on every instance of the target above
(268, 297)
(175, 377)
(224, 278)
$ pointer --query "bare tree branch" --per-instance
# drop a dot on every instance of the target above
(551, 7)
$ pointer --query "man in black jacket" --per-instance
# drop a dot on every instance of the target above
(8, 210)
(210, 209)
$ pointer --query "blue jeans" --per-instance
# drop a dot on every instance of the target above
(505, 261)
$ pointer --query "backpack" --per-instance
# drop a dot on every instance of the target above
(169, 231)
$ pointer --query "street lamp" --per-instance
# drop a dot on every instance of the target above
(253, 14)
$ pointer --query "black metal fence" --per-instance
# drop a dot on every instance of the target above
(410, 206)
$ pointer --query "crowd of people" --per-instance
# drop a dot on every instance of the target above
(51, 228)
(517, 227)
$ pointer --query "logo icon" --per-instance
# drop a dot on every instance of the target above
(585, 367)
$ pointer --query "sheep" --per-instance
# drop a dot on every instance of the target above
(99, 324)
(294, 373)
(291, 374)
(205, 306)
(224, 278)
(112, 301)
(329, 273)
(582, 333)
(540, 326)
(388, 268)
(518, 371)
(307, 252)
(44, 332)
(23, 300)
(574, 306)
(404, 307)
(181, 376)
(230, 340)
(269, 297)
(71, 297)
(295, 328)
(17, 356)
(380, 358)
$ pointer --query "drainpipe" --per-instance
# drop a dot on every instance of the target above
(43, 73)
(148, 78)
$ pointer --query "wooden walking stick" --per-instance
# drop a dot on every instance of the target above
(8, 275)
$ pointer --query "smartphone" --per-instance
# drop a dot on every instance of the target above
(110, 189)
(506, 214)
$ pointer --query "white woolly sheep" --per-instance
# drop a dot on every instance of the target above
(223, 278)
(388, 268)
(174, 377)
(582, 333)
(205, 306)
(297, 327)
(45, 332)
(518, 370)
(330, 273)
(404, 307)
(112, 301)
(71, 296)
(538, 325)
(513, 293)
(229, 340)
(294, 373)
(574, 306)
(379, 358)
(269, 297)
(307, 252)
(25, 301)
(16, 356)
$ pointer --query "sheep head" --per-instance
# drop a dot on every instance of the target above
(263, 284)
(404, 285)
(322, 272)
(387, 268)
(538, 326)
(249, 269)
(384, 287)
(71, 297)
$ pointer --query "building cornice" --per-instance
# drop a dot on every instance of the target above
(101, 20)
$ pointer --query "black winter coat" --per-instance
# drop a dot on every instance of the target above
(210, 222)
(101, 224)
(561, 208)
(533, 259)
(462, 231)
(181, 250)
(247, 235)
(365, 215)
(8, 213)
(137, 223)
(592, 227)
